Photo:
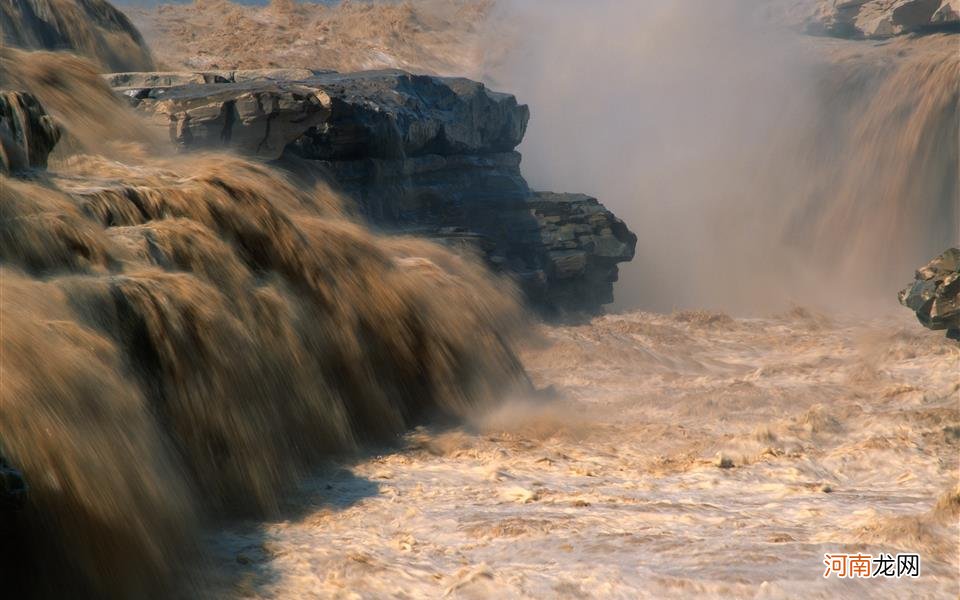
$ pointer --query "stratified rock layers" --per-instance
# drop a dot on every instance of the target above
(935, 293)
(426, 155)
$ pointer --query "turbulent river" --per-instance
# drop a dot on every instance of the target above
(672, 455)
(217, 382)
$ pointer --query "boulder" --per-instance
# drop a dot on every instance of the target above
(431, 188)
(883, 18)
(934, 294)
(27, 133)
(90, 28)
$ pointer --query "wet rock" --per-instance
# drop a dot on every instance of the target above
(935, 293)
(90, 28)
(882, 18)
(579, 245)
(723, 461)
(430, 190)
(393, 114)
(27, 133)
(421, 155)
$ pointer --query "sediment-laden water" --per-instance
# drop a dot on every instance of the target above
(185, 336)
(217, 383)
(835, 435)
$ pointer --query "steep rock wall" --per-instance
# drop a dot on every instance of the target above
(418, 154)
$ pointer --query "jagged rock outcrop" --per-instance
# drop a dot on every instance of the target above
(27, 133)
(576, 248)
(426, 155)
(935, 293)
(882, 18)
(90, 28)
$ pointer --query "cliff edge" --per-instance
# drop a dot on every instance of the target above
(430, 156)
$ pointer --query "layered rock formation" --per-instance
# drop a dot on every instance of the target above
(90, 28)
(425, 155)
(27, 133)
(256, 118)
(883, 18)
(935, 293)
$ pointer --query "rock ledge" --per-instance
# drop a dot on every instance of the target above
(430, 156)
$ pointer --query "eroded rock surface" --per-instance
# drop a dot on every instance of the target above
(256, 118)
(376, 114)
(935, 293)
(883, 18)
(27, 133)
(425, 155)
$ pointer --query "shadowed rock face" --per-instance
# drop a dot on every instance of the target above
(27, 133)
(935, 293)
(90, 28)
(425, 155)
(883, 18)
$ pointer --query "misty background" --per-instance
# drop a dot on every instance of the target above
(668, 113)
(758, 168)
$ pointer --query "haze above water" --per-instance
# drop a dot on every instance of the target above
(760, 167)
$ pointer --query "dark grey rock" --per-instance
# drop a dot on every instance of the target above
(431, 188)
(420, 155)
(935, 293)
(328, 116)
(27, 133)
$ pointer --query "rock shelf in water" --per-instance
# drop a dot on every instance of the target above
(433, 156)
